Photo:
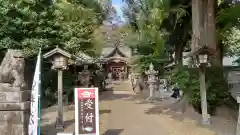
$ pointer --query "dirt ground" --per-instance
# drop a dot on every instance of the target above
(49, 116)
(124, 113)
(129, 117)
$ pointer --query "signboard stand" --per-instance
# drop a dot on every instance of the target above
(86, 112)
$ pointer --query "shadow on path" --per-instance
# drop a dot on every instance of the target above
(49, 129)
(113, 132)
(105, 111)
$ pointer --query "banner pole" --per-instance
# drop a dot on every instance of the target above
(39, 95)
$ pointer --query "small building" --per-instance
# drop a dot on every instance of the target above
(116, 60)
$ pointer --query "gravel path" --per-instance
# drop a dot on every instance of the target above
(129, 118)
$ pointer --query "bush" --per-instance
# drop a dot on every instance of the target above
(50, 84)
(49, 87)
(217, 90)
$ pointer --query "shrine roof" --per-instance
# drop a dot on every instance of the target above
(82, 57)
(111, 51)
(115, 58)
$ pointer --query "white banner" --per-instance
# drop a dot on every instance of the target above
(34, 115)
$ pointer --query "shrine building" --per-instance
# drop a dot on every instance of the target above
(116, 59)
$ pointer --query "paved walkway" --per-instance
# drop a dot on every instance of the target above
(127, 117)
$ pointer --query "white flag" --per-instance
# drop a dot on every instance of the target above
(34, 115)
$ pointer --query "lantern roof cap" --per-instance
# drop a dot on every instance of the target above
(55, 51)
(202, 50)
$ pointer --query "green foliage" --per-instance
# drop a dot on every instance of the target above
(98, 42)
(218, 87)
(155, 60)
(78, 24)
(50, 86)
(188, 81)
(227, 23)
(29, 25)
(232, 41)
(227, 16)
(158, 27)
(68, 85)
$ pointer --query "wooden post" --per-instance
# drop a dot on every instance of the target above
(205, 115)
(59, 121)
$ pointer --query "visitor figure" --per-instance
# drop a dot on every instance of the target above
(176, 92)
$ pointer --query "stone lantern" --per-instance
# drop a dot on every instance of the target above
(202, 55)
(60, 61)
(151, 80)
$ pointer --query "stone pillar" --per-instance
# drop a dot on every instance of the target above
(14, 110)
(151, 81)
(238, 121)
(136, 83)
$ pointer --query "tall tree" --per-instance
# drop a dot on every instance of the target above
(27, 25)
(161, 25)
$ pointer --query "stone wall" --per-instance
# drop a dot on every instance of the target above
(14, 110)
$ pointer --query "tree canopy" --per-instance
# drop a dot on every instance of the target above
(165, 26)
(28, 24)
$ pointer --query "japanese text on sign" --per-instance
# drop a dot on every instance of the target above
(87, 116)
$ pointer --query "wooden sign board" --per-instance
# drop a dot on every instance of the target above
(86, 111)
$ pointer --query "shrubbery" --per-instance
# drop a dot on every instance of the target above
(217, 90)
(50, 84)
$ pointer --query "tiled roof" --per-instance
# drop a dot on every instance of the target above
(124, 49)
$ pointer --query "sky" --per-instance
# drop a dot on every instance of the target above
(118, 4)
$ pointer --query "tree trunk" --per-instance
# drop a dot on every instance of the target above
(178, 54)
(210, 26)
(195, 24)
(195, 27)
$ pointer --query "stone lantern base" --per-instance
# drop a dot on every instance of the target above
(14, 110)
